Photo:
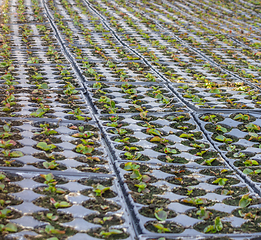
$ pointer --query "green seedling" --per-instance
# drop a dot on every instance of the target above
(251, 172)
(153, 131)
(208, 161)
(251, 163)
(44, 146)
(87, 150)
(245, 201)
(114, 124)
(142, 187)
(120, 131)
(49, 178)
(127, 148)
(49, 229)
(137, 175)
(171, 151)
(239, 155)
(135, 156)
(251, 127)
(114, 118)
(159, 140)
(195, 201)
(51, 165)
(85, 134)
(4, 213)
(70, 89)
(220, 181)
(204, 214)
(7, 131)
(222, 138)
(254, 136)
(124, 140)
(160, 214)
(111, 232)
(13, 154)
(103, 220)
(52, 217)
(217, 227)
(210, 118)
(60, 204)
(161, 228)
(130, 166)
(100, 190)
(9, 227)
(143, 116)
(187, 135)
(40, 111)
(195, 145)
(7, 144)
(221, 129)
(201, 153)
(231, 148)
(243, 117)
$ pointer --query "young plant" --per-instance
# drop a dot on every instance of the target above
(84, 149)
(204, 214)
(110, 232)
(51, 165)
(100, 190)
(161, 228)
(160, 214)
(220, 181)
(60, 204)
(44, 146)
(242, 117)
(222, 138)
(217, 227)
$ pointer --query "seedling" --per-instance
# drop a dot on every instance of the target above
(171, 151)
(61, 204)
(251, 127)
(220, 181)
(239, 155)
(143, 116)
(195, 201)
(135, 156)
(49, 229)
(153, 131)
(127, 148)
(160, 214)
(251, 163)
(7, 144)
(51, 165)
(208, 161)
(44, 146)
(13, 154)
(85, 134)
(100, 189)
(9, 227)
(217, 227)
(224, 139)
(120, 131)
(254, 136)
(130, 166)
(137, 175)
(195, 145)
(124, 140)
(4, 213)
(221, 129)
(159, 140)
(52, 217)
(231, 148)
(161, 228)
(142, 187)
(87, 150)
(187, 135)
(251, 172)
(210, 118)
(111, 232)
(103, 220)
(245, 201)
(243, 117)
(204, 214)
